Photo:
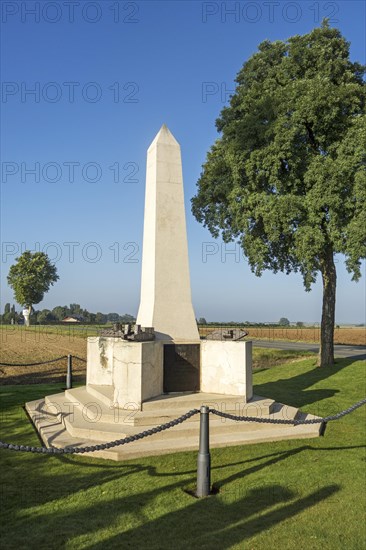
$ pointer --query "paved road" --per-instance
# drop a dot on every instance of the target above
(358, 352)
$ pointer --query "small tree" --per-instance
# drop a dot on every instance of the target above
(127, 318)
(299, 324)
(31, 277)
(202, 321)
(284, 322)
(45, 316)
(100, 318)
(5, 318)
(60, 312)
(114, 317)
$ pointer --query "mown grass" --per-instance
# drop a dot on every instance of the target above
(265, 358)
(290, 495)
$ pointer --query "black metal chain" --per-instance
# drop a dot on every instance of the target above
(294, 422)
(103, 446)
(41, 362)
(33, 364)
(179, 420)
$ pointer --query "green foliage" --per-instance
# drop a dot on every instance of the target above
(31, 277)
(113, 317)
(299, 324)
(100, 318)
(284, 322)
(127, 318)
(202, 321)
(9, 315)
(45, 316)
(287, 176)
(60, 312)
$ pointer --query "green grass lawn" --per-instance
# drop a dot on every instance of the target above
(265, 358)
(300, 494)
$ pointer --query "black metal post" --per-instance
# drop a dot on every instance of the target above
(69, 373)
(204, 459)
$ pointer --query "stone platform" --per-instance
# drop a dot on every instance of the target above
(86, 416)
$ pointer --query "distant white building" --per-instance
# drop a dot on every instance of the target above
(73, 319)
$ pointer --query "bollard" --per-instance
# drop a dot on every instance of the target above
(203, 459)
(323, 427)
(69, 373)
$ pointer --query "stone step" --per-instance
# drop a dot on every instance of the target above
(103, 393)
(160, 447)
(95, 411)
(79, 424)
(156, 417)
(93, 407)
(93, 400)
(52, 428)
(188, 400)
(228, 403)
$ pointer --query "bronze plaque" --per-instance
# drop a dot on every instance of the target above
(181, 367)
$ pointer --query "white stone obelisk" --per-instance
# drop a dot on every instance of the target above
(166, 302)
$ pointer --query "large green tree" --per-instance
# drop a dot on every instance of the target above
(31, 277)
(286, 178)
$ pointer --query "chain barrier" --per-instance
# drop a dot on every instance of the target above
(171, 424)
(33, 364)
(294, 422)
(103, 446)
(41, 362)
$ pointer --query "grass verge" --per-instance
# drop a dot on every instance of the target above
(266, 358)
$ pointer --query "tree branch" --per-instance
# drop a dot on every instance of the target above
(311, 136)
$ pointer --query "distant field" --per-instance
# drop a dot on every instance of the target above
(73, 333)
(351, 336)
(19, 344)
(30, 345)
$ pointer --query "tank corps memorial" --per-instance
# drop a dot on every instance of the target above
(155, 372)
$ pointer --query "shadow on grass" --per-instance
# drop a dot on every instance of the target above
(293, 391)
(164, 517)
(212, 523)
(40, 377)
(206, 523)
(73, 502)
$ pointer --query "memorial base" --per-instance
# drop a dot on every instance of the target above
(124, 396)
(138, 371)
(133, 369)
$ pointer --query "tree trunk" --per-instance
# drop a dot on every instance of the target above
(27, 316)
(329, 275)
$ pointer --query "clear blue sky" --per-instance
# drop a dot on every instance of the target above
(106, 76)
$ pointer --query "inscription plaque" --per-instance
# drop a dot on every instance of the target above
(181, 367)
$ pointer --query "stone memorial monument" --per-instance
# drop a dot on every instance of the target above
(143, 375)
(176, 360)
(166, 302)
